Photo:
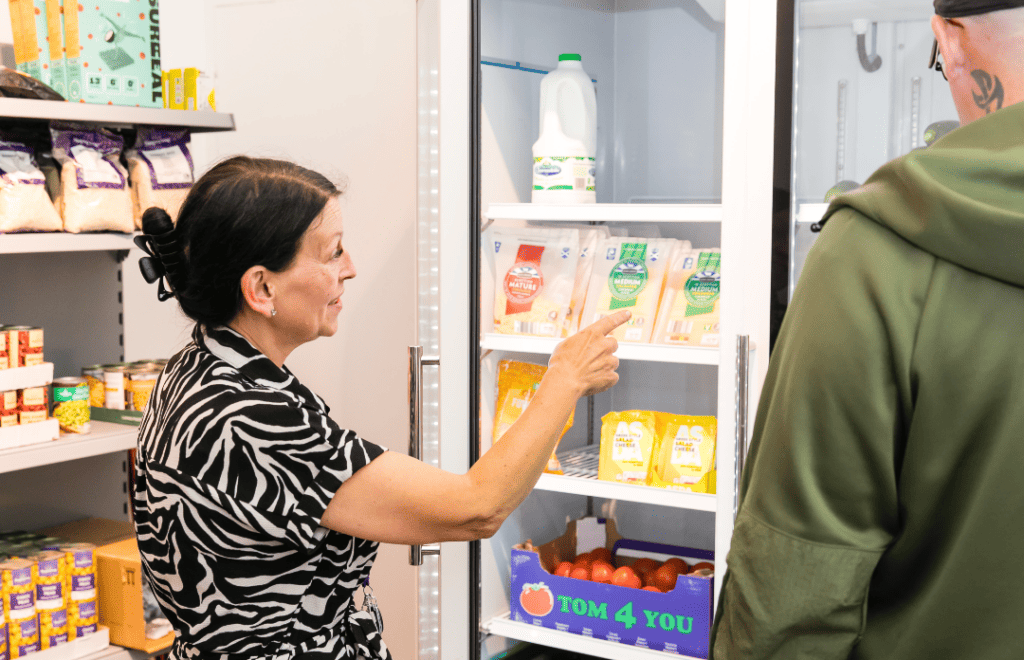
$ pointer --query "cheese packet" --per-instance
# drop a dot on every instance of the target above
(689, 314)
(517, 383)
(24, 203)
(627, 446)
(589, 239)
(684, 458)
(94, 185)
(534, 272)
(629, 273)
(161, 171)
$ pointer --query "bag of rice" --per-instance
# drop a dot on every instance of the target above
(160, 170)
(534, 271)
(629, 273)
(94, 186)
(24, 202)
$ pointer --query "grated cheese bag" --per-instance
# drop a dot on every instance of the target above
(534, 271)
(161, 171)
(589, 239)
(629, 273)
(627, 446)
(684, 457)
(517, 383)
(24, 203)
(94, 185)
(689, 314)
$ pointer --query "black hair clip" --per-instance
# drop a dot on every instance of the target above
(152, 267)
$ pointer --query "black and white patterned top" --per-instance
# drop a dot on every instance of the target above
(236, 464)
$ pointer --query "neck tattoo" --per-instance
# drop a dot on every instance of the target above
(991, 91)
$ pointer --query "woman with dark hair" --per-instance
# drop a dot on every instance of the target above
(258, 517)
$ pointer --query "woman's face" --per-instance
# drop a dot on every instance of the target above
(307, 295)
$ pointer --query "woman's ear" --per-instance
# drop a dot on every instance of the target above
(258, 291)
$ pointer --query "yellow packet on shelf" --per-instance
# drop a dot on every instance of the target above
(685, 454)
(517, 383)
(627, 446)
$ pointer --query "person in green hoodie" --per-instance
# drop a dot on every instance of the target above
(882, 510)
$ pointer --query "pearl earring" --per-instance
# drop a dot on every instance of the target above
(273, 312)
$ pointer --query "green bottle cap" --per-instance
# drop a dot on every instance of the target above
(569, 56)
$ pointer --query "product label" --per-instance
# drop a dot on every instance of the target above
(83, 587)
(4, 655)
(87, 610)
(627, 439)
(21, 606)
(573, 173)
(686, 447)
(21, 576)
(25, 649)
(167, 166)
(16, 164)
(28, 628)
(32, 417)
(83, 559)
(33, 396)
(628, 277)
(82, 631)
(49, 596)
(57, 639)
(703, 287)
(59, 619)
(7, 421)
(35, 338)
(5, 363)
(524, 281)
(33, 359)
(9, 401)
(72, 393)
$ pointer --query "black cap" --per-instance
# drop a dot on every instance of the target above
(958, 8)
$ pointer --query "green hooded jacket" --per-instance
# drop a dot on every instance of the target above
(882, 512)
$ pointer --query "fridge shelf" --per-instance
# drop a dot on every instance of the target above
(607, 212)
(116, 115)
(580, 478)
(642, 352)
(21, 377)
(504, 626)
(103, 438)
(36, 242)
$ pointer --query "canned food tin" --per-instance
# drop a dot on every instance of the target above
(93, 375)
(4, 652)
(81, 567)
(51, 598)
(32, 398)
(83, 618)
(140, 385)
(115, 378)
(5, 362)
(71, 404)
(17, 588)
(25, 345)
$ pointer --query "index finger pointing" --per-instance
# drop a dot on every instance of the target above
(609, 323)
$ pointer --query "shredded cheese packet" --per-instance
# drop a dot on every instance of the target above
(24, 202)
(517, 383)
(629, 273)
(689, 314)
(684, 458)
(534, 271)
(627, 446)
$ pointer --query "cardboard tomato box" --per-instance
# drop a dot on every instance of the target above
(676, 622)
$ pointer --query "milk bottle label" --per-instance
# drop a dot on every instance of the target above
(564, 173)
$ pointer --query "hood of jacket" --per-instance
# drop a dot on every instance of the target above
(961, 199)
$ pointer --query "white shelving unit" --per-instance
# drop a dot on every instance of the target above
(21, 377)
(103, 438)
(607, 212)
(40, 242)
(114, 116)
(642, 352)
(599, 648)
(627, 493)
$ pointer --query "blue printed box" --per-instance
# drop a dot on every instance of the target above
(675, 622)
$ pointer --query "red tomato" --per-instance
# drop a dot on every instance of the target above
(664, 578)
(654, 589)
(583, 560)
(644, 565)
(678, 565)
(580, 573)
(563, 569)
(601, 554)
(602, 572)
(625, 577)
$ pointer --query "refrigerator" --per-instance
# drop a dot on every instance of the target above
(685, 93)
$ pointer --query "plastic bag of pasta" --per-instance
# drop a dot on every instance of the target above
(160, 170)
(94, 185)
(24, 202)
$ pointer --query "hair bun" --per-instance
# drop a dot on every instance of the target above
(156, 221)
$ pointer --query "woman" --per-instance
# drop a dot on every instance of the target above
(257, 516)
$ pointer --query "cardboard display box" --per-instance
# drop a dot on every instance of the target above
(675, 622)
(119, 579)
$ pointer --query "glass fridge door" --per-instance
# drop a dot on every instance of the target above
(862, 95)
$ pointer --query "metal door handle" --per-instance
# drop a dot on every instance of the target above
(416, 364)
(742, 412)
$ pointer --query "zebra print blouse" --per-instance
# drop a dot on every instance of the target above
(236, 464)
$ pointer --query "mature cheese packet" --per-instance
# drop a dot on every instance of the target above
(629, 273)
(517, 383)
(627, 446)
(684, 458)
(589, 240)
(94, 185)
(535, 269)
(689, 313)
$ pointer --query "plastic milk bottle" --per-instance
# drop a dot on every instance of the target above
(564, 155)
